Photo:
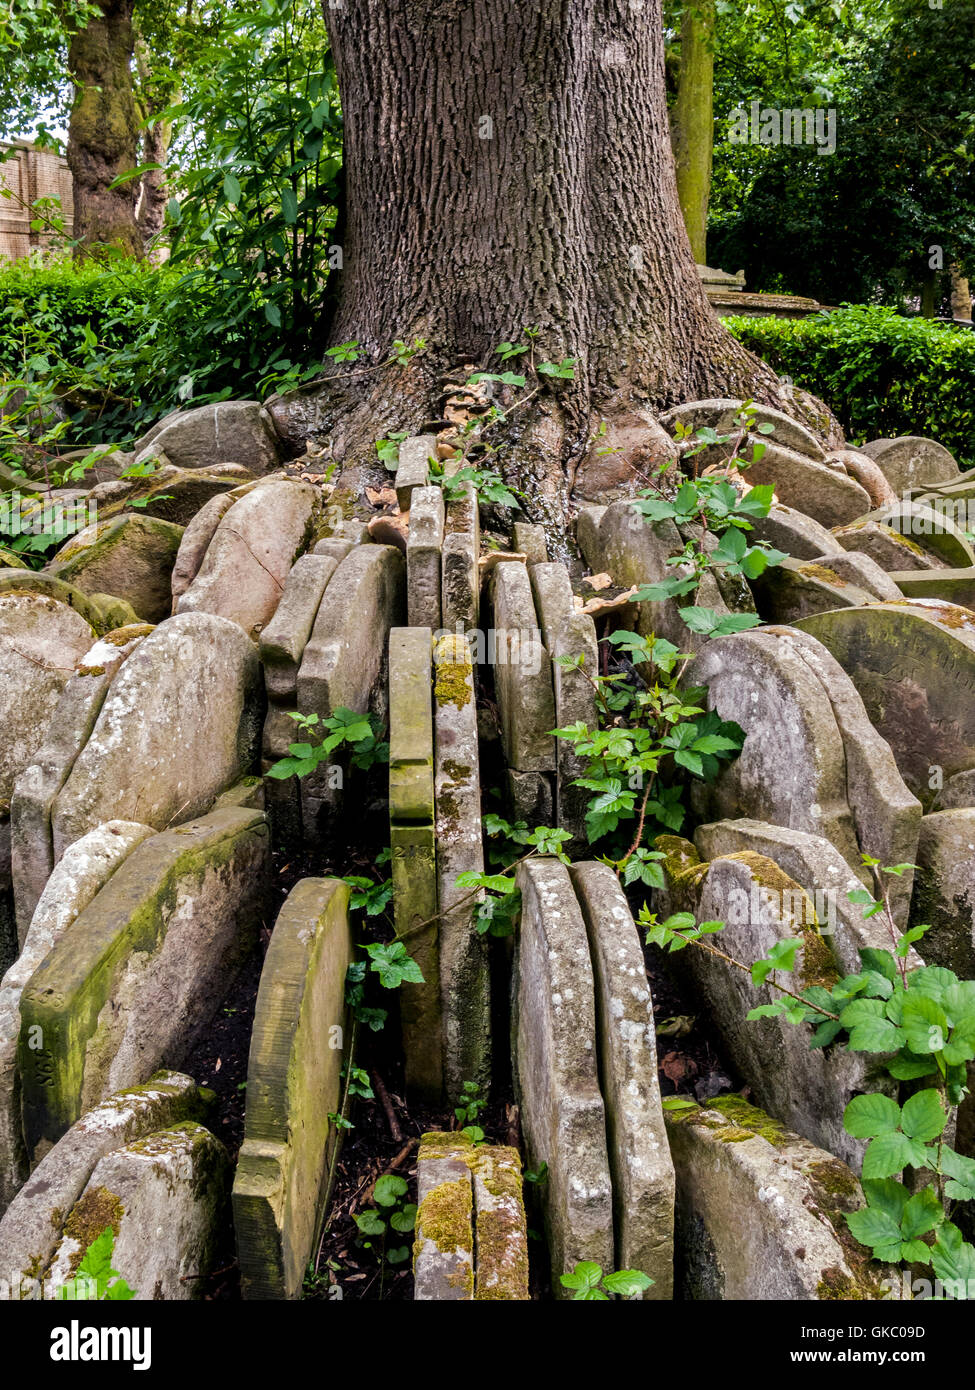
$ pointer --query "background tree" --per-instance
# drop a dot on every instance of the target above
(692, 120)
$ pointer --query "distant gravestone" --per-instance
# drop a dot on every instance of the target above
(224, 432)
(910, 461)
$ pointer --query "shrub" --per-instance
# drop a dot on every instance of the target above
(884, 375)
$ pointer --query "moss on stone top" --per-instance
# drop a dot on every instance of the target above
(444, 1218)
(744, 1116)
(94, 1210)
(828, 576)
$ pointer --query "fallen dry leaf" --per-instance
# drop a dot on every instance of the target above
(599, 581)
(381, 496)
(494, 557)
(596, 606)
(390, 530)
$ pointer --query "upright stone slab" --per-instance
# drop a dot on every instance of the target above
(165, 1197)
(243, 573)
(346, 653)
(885, 545)
(41, 642)
(413, 470)
(76, 881)
(568, 633)
(862, 571)
(460, 576)
(196, 541)
(465, 985)
(131, 557)
(20, 582)
(32, 846)
(443, 1252)
(914, 667)
(293, 1083)
(529, 540)
(792, 767)
(523, 675)
(916, 530)
(720, 415)
(423, 558)
(809, 1089)
(180, 723)
(639, 1159)
(140, 973)
(413, 840)
(944, 890)
(282, 643)
(501, 1234)
(563, 1117)
(30, 1231)
(911, 461)
(761, 1213)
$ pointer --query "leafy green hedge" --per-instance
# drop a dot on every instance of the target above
(883, 375)
(118, 345)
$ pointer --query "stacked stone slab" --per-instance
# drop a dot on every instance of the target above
(344, 659)
(914, 667)
(31, 1229)
(293, 1084)
(912, 462)
(794, 588)
(567, 633)
(413, 837)
(578, 944)
(180, 723)
(908, 534)
(524, 693)
(37, 787)
(424, 547)
(460, 575)
(760, 905)
(761, 1213)
(811, 759)
(77, 880)
(254, 547)
(956, 586)
(137, 976)
(471, 1237)
(282, 645)
(413, 468)
(131, 557)
(465, 988)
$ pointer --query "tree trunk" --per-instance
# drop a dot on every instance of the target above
(155, 94)
(692, 121)
(929, 287)
(961, 295)
(103, 134)
(509, 168)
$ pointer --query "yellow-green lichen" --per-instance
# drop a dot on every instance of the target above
(94, 1210)
(444, 1218)
(827, 576)
(453, 684)
(750, 1119)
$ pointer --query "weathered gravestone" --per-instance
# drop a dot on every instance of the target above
(82, 873)
(914, 668)
(294, 1083)
(794, 588)
(761, 1213)
(180, 723)
(244, 570)
(944, 890)
(32, 846)
(225, 432)
(131, 557)
(165, 1197)
(639, 1159)
(31, 1229)
(413, 839)
(911, 461)
(956, 586)
(523, 688)
(465, 986)
(424, 548)
(140, 972)
(345, 656)
(563, 1116)
(195, 542)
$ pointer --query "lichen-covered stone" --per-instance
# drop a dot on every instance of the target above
(443, 1251)
(32, 846)
(522, 675)
(911, 461)
(501, 1235)
(131, 557)
(760, 1220)
(464, 970)
(243, 573)
(31, 1227)
(140, 972)
(181, 722)
(554, 1030)
(83, 871)
(293, 1084)
(639, 1159)
(793, 588)
(944, 889)
(223, 432)
(283, 640)
(423, 558)
(792, 531)
(195, 541)
(166, 1198)
(414, 467)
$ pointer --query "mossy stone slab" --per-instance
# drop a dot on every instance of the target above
(293, 1084)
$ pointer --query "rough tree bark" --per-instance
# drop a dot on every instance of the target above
(510, 167)
(156, 93)
(692, 121)
(103, 133)
(961, 295)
